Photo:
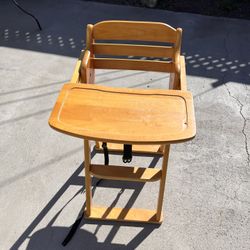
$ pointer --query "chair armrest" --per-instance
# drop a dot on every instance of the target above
(81, 64)
(86, 59)
(86, 69)
(76, 74)
(183, 80)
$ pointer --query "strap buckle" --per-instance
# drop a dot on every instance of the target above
(127, 153)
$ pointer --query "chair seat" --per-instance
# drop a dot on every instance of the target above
(122, 115)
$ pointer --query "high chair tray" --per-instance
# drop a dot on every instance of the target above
(136, 116)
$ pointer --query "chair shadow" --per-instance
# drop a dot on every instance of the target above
(52, 236)
(83, 239)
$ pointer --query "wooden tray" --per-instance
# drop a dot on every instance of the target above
(122, 115)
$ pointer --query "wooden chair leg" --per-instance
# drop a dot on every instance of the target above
(162, 181)
(150, 216)
(87, 161)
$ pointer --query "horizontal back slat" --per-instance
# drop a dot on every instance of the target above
(133, 50)
(130, 64)
(127, 30)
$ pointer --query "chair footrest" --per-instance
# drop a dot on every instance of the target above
(126, 173)
(139, 149)
(123, 214)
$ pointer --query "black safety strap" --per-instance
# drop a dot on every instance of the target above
(127, 153)
(77, 222)
(72, 230)
(106, 153)
(81, 214)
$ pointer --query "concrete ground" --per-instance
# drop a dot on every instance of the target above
(41, 176)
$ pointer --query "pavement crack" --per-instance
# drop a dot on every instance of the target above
(237, 101)
(244, 122)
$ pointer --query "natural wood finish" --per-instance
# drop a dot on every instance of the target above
(86, 67)
(172, 81)
(175, 77)
(86, 59)
(177, 49)
(124, 115)
(133, 50)
(88, 73)
(123, 214)
(131, 64)
(127, 116)
(112, 213)
(130, 29)
(126, 173)
(178, 81)
(89, 37)
(87, 162)
(183, 80)
(134, 30)
(140, 149)
(76, 74)
(87, 70)
(162, 181)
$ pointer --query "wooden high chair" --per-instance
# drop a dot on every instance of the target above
(108, 40)
(150, 120)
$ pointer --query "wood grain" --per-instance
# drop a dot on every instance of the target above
(133, 50)
(183, 80)
(131, 64)
(87, 161)
(134, 30)
(126, 173)
(123, 214)
(148, 119)
(124, 115)
(162, 181)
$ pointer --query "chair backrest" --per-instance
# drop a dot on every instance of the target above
(111, 39)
